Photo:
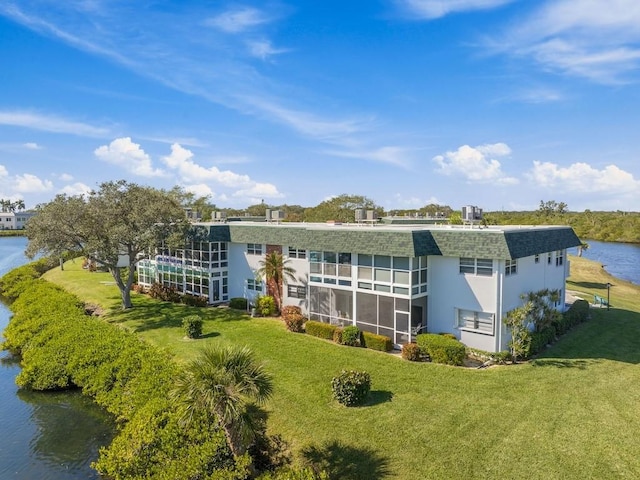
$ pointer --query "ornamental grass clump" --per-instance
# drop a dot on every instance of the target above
(351, 387)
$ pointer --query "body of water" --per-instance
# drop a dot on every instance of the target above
(622, 260)
(44, 435)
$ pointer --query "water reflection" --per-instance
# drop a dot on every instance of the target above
(44, 436)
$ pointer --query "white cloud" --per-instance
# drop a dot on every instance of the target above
(50, 123)
(200, 190)
(430, 9)
(28, 183)
(77, 188)
(596, 39)
(31, 146)
(3, 171)
(583, 178)
(476, 163)
(402, 202)
(263, 49)
(128, 155)
(181, 161)
(65, 177)
(392, 155)
(238, 20)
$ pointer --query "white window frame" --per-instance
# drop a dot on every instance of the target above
(476, 322)
(510, 267)
(297, 252)
(559, 258)
(476, 266)
(254, 285)
(254, 249)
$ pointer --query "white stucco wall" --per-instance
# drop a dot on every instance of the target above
(301, 267)
(241, 268)
(450, 290)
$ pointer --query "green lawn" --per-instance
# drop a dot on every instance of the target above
(572, 413)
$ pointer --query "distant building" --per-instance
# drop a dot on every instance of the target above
(14, 220)
(394, 280)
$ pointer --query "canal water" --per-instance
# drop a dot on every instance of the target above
(48, 436)
(622, 260)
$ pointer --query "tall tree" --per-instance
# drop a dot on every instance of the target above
(341, 209)
(227, 382)
(274, 269)
(115, 226)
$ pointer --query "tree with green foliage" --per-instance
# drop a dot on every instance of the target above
(341, 209)
(275, 270)
(518, 322)
(227, 382)
(114, 226)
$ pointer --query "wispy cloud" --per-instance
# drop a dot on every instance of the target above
(476, 164)
(595, 39)
(392, 155)
(263, 49)
(193, 56)
(238, 20)
(50, 123)
(430, 9)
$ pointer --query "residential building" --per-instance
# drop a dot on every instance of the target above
(14, 220)
(394, 280)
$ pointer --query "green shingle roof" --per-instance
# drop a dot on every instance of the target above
(404, 241)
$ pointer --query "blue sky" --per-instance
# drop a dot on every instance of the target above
(495, 103)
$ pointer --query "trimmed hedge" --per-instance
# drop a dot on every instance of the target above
(442, 349)
(61, 347)
(350, 336)
(411, 352)
(192, 325)
(320, 329)
(374, 341)
(351, 387)
(238, 303)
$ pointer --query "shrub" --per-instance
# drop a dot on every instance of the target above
(411, 352)
(192, 325)
(266, 306)
(319, 329)
(166, 294)
(136, 287)
(382, 343)
(289, 310)
(351, 387)
(294, 323)
(337, 335)
(238, 303)
(351, 336)
(539, 340)
(501, 357)
(194, 300)
(449, 335)
(442, 349)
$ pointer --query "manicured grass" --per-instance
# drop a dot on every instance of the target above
(571, 413)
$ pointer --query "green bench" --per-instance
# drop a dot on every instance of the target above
(598, 300)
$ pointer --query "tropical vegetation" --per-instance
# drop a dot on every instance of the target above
(114, 226)
(458, 412)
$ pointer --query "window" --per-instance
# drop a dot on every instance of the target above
(254, 285)
(559, 258)
(254, 249)
(479, 322)
(467, 265)
(477, 266)
(536, 258)
(296, 291)
(484, 266)
(549, 258)
(297, 253)
(510, 267)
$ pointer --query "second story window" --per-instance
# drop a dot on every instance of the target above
(254, 249)
(510, 267)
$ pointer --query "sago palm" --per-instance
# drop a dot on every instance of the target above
(225, 381)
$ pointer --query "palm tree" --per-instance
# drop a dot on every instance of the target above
(275, 270)
(582, 247)
(226, 382)
(20, 205)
